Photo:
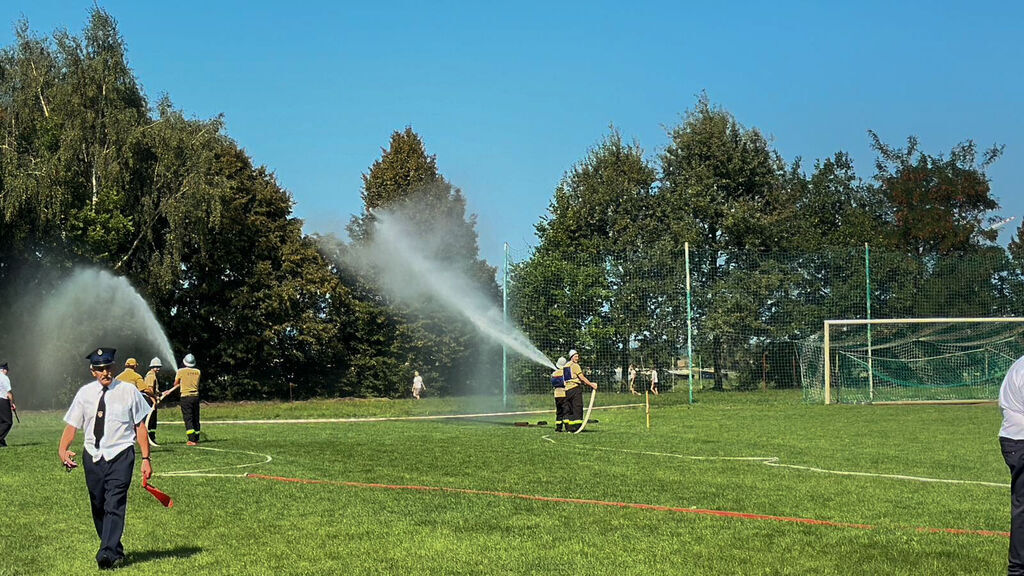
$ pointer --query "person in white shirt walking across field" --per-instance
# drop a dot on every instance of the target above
(7, 406)
(113, 415)
(417, 385)
(1011, 441)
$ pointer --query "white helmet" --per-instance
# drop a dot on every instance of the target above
(156, 363)
(189, 360)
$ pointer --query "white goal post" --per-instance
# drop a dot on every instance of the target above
(970, 341)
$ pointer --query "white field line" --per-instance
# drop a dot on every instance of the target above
(209, 471)
(774, 462)
(386, 418)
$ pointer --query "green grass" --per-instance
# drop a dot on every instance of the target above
(235, 525)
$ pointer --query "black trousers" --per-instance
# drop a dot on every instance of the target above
(108, 482)
(573, 408)
(6, 420)
(190, 414)
(1013, 454)
(151, 422)
(559, 412)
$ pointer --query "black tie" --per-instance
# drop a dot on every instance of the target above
(101, 408)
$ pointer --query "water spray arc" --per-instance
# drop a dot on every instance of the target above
(398, 255)
(452, 289)
(90, 307)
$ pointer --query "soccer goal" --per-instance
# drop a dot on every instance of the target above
(913, 359)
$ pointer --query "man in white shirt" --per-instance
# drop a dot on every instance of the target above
(6, 405)
(113, 415)
(1011, 441)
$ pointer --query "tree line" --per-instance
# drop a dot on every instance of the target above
(774, 250)
(93, 172)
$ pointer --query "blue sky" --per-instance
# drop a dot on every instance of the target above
(509, 97)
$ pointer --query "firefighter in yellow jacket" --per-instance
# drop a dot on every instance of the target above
(187, 380)
(152, 393)
(573, 393)
(132, 377)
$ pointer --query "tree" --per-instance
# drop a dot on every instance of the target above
(72, 117)
(88, 175)
(721, 189)
(938, 204)
(597, 242)
(395, 337)
(254, 295)
(835, 208)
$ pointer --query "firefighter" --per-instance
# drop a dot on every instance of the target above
(187, 380)
(152, 393)
(573, 393)
(558, 385)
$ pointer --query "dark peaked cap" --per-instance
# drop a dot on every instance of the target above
(101, 357)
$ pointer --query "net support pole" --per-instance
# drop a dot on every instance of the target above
(647, 408)
(828, 366)
(689, 323)
(504, 318)
(867, 299)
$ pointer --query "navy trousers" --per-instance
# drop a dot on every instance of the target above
(1013, 455)
(6, 420)
(108, 482)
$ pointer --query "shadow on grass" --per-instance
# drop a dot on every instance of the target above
(175, 444)
(150, 555)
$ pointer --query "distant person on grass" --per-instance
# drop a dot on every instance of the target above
(574, 394)
(632, 380)
(7, 405)
(654, 380)
(113, 414)
(187, 380)
(558, 385)
(417, 385)
(1011, 441)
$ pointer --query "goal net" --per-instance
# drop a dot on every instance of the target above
(910, 360)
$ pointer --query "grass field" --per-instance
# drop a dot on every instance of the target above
(371, 514)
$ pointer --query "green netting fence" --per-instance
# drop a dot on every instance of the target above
(748, 320)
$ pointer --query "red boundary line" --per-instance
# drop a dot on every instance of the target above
(700, 511)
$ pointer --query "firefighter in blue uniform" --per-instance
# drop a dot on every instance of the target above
(113, 415)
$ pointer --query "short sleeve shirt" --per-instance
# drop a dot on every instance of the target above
(150, 382)
(126, 408)
(134, 378)
(1011, 401)
(5, 386)
(574, 371)
(189, 379)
